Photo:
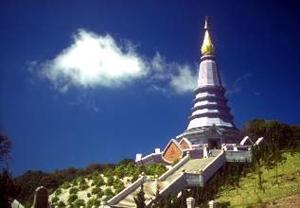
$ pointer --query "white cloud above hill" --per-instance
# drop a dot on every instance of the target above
(99, 61)
(92, 61)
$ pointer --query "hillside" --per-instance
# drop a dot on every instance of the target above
(90, 190)
(29, 181)
(248, 194)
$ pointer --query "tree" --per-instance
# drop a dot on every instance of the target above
(295, 143)
(257, 153)
(273, 132)
(5, 148)
(8, 189)
(140, 198)
(277, 136)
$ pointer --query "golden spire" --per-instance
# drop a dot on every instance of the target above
(207, 47)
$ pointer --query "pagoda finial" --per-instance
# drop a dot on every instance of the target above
(207, 47)
(206, 23)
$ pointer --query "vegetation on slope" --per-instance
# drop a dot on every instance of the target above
(247, 192)
(29, 181)
(96, 179)
(90, 190)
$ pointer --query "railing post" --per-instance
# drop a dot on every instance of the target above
(201, 178)
(190, 202)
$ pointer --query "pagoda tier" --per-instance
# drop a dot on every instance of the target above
(210, 105)
(210, 111)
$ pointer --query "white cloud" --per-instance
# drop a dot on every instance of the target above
(185, 81)
(158, 63)
(181, 78)
(99, 61)
(94, 60)
(239, 83)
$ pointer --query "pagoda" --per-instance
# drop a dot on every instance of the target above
(211, 121)
(210, 124)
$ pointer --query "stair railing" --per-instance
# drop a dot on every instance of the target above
(128, 190)
(174, 168)
(212, 167)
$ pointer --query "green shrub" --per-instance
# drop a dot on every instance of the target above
(118, 185)
(88, 195)
(131, 169)
(73, 190)
(134, 178)
(75, 182)
(110, 181)
(79, 203)
(223, 204)
(119, 171)
(61, 204)
(100, 194)
(97, 203)
(108, 193)
(99, 181)
(72, 198)
(83, 186)
(93, 202)
(155, 169)
(82, 181)
(90, 203)
(108, 172)
(54, 200)
(66, 185)
(58, 192)
(96, 190)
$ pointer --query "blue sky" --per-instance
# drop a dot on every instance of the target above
(136, 63)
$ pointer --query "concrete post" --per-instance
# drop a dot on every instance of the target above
(138, 157)
(16, 204)
(188, 154)
(235, 148)
(190, 202)
(211, 204)
(205, 152)
(224, 147)
(41, 198)
(157, 184)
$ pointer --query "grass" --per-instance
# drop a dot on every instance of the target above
(248, 194)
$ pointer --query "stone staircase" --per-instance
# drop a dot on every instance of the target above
(174, 180)
(149, 187)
